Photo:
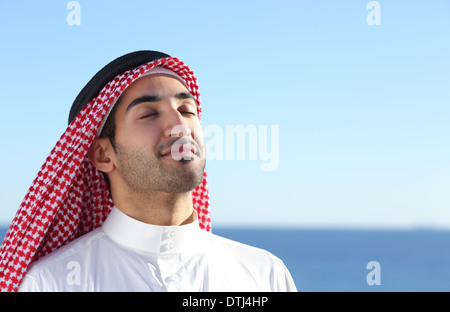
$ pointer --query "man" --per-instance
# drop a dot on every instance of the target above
(122, 202)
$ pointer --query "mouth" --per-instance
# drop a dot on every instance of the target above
(182, 149)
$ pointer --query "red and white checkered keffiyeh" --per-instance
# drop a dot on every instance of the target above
(69, 197)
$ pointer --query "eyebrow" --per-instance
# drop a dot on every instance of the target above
(185, 96)
(142, 99)
(156, 98)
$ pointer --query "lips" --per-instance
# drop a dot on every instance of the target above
(182, 149)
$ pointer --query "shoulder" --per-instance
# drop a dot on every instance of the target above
(50, 269)
(241, 249)
(264, 269)
(70, 250)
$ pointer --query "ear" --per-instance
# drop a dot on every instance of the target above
(102, 155)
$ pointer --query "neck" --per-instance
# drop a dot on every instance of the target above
(157, 208)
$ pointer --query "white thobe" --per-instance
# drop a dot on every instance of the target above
(125, 254)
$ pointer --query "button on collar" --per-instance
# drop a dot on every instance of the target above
(169, 234)
(167, 247)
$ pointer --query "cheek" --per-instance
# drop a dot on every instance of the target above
(198, 134)
(136, 137)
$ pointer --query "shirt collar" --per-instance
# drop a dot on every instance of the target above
(158, 239)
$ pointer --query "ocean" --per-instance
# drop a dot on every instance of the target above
(325, 260)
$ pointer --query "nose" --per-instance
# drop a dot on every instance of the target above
(177, 125)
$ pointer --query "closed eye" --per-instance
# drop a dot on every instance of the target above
(148, 115)
(189, 113)
(188, 109)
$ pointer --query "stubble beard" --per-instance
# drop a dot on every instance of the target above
(144, 173)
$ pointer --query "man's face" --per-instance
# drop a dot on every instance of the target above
(159, 139)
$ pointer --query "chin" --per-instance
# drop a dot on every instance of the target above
(186, 179)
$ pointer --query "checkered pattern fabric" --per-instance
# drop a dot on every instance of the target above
(69, 196)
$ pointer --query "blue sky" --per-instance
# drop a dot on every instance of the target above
(363, 111)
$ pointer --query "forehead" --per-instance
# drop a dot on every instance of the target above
(155, 84)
